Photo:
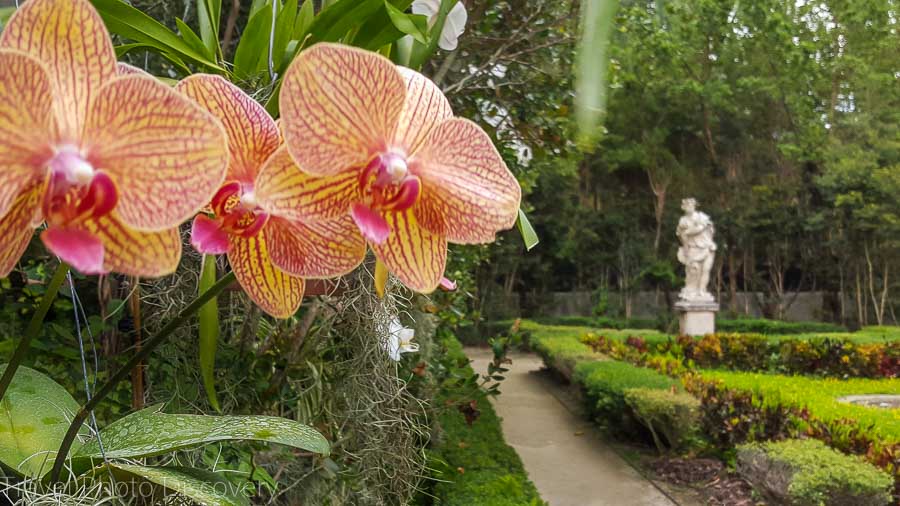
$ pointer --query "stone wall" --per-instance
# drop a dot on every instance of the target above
(807, 306)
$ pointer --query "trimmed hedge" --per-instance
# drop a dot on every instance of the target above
(805, 472)
(474, 463)
(769, 327)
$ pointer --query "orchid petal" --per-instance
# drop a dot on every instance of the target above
(339, 105)
(448, 285)
(17, 227)
(134, 252)
(76, 247)
(415, 255)
(425, 108)
(282, 189)
(124, 69)
(166, 155)
(372, 225)
(323, 249)
(252, 133)
(454, 26)
(469, 194)
(207, 236)
(70, 38)
(26, 124)
(274, 291)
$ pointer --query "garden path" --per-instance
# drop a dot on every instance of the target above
(564, 455)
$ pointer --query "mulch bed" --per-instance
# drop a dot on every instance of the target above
(708, 477)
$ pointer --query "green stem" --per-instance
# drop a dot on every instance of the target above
(34, 326)
(123, 372)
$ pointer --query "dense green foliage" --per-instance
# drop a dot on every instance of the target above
(671, 417)
(774, 327)
(474, 464)
(780, 117)
(817, 475)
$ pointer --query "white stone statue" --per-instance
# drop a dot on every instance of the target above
(697, 252)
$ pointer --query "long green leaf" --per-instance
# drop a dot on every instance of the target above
(528, 234)
(408, 24)
(148, 433)
(124, 49)
(204, 487)
(337, 20)
(210, 13)
(284, 30)
(123, 19)
(209, 331)
(34, 416)
(304, 20)
(379, 30)
(192, 39)
(253, 49)
(592, 63)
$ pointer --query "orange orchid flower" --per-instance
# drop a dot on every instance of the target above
(380, 142)
(110, 159)
(270, 254)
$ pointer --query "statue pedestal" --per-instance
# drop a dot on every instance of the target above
(696, 318)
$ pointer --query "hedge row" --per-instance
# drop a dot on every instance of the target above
(830, 357)
(472, 463)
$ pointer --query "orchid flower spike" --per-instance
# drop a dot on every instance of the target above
(111, 159)
(379, 142)
(270, 254)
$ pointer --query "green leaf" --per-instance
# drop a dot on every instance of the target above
(380, 29)
(123, 19)
(210, 13)
(592, 64)
(284, 31)
(304, 20)
(204, 487)
(337, 20)
(124, 49)
(408, 24)
(209, 331)
(253, 49)
(191, 38)
(34, 416)
(149, 432)
(528, 234)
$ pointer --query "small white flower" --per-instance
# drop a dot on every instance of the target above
(399, 340)
(454, 26)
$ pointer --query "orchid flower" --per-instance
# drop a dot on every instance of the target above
(111, 159)
(380, 142)
(270, 254)
(454, 25)
(399, 340)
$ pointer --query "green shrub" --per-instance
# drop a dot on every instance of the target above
(472, 464)
(763, 326)
(671, 417)
(808, 473)
(605, 384)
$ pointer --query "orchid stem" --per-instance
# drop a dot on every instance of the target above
(34, 327)
(123, 372)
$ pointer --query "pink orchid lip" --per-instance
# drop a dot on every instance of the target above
(76, 190)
